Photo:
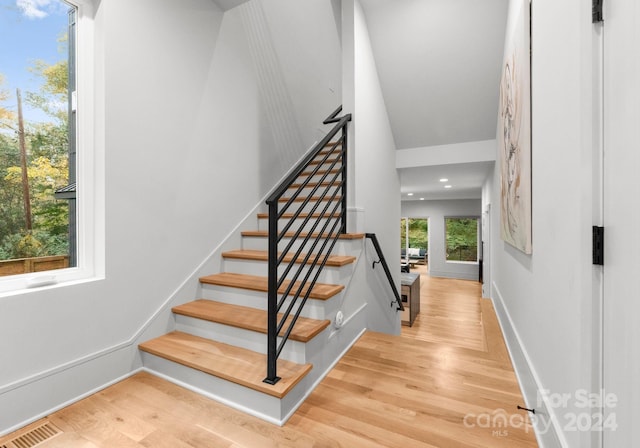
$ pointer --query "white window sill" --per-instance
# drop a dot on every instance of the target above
(42, 281)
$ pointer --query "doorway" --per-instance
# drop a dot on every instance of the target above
(414, 242)
(485, 252)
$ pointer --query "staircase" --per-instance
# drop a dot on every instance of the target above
(219, 345)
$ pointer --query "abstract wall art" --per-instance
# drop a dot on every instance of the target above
(514, 132)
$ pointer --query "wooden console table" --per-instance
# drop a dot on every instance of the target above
(410, 297)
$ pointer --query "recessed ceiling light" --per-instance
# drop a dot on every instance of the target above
(409, 194)
(422, 199)
(447, 186)
(444, 180)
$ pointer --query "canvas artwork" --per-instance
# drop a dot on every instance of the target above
(514, 135)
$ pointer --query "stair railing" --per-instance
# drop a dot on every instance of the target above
(385, 266)
(291, 277)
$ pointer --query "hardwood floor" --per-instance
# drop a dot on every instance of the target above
(445, 382)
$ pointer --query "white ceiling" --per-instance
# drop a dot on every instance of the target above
(226, 5)
(439, 67)
(466, 181)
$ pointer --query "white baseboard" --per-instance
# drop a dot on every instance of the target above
(48, 393)
(323, 375)
(78, 378)
(547, 428)
(454, 275)
(357, 321)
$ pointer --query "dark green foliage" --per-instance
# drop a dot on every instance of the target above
(33, 244)
(11, 208)
(47, 146)
(462, 239)
(418, 233)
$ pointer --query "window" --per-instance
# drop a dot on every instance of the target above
(414, 240)
(39, 130)
(462, 239)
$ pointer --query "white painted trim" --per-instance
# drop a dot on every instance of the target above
(214, 397)
(90, 202)
(463, 262)
(478, 151)
(250, 411)
(195, 273)
(356, 219)
(516, 345)
(68, 403)
(335, 331)
(61, 368)
(454, 275)
(326, 372)
(4, 389)
(87, 358)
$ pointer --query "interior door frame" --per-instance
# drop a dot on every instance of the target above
(621, 304)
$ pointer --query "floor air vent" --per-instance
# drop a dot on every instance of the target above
(34, 437)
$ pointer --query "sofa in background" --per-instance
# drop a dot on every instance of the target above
(414, 254)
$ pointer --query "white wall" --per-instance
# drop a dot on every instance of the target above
(189, 152)
(455, 153)
(437, 211)
(307, 43)
(439, 81)
(296, 51)
(544, 301)
(371, 166)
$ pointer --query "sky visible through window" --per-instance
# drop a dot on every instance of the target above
(29, 31)
(37, 224)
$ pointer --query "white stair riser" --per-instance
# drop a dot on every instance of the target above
(327, 206)
(315, 309)
(296, 351)
(320, 175)
(342, 246)
(263, 224)
(336, 343)
(330, 274)
(308, 190)
(313, 183)
(232, 394)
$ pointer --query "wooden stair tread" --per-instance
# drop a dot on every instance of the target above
(263, 255)
(318, 162)
(264, 233)
(313, 199)
(329, 150)
(238, 365)
(319, 172)
(252, 319)
(320, 291)
(331, 147)
(301, 215)
(295, 186)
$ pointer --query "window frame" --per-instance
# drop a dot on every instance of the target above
(478, 239)
(90, 203)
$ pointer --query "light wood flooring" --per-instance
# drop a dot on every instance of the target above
(445, 382)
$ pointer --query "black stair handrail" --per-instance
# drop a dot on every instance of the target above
(385, 266)
(314, 236)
